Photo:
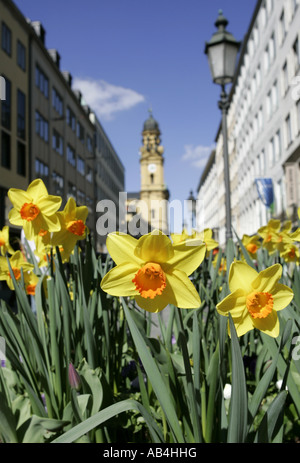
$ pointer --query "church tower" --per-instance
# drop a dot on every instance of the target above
(153, 189)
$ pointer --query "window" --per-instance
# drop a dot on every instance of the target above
(270, 52)
(58, 183)
(5, 150)
(6, 106)
(260, 118)
(21, 159)
(80, 197)
(57, 102)
(269, 104)
(89, 175)
(21, 114)
(71, 120)
(41, 81)
(277, 146)
(71, 158)
(285, 78)
(57, 143)
(71, 191)
(80, 165)
(41, 170)
(89, 143)
(296, 55)
(272, 152)
(274, 96)
(80, 132)
(41, 127)
(21, 55)
(282, 26)
(6, 39)
(288, 129)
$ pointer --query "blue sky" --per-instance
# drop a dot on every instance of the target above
(129, 55)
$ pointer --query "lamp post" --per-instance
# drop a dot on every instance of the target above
(222, 51)
(192, 207)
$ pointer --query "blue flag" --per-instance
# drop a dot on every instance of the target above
(265, 190)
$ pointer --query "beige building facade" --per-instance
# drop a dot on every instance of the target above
(47, 130)
(263, 122)
(14, 104)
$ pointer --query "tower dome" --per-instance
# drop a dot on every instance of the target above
(151, 124)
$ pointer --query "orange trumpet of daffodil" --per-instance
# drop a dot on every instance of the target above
(252, 244)
(255, 298)
(153, 270)
(73, 227)
(34, 209)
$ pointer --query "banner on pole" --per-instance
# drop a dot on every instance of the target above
(265, 190)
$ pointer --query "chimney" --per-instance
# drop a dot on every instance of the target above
(68, 77)
(55, 56)
(39, 30)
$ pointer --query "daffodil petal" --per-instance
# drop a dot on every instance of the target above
(36, 190)
(183, 290)
(14, 217)
(268, 325)
(187, 257)
(235, 303)
(121, 248)
(52, 223)
(153, 305)
(282, 296)
(18, 197)
(154, 247)
(266, 280)
(241, 276)
(242, 323)
(49, 205)
(81, 213)
(118, 281)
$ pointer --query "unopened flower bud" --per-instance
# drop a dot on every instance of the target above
(74, 378)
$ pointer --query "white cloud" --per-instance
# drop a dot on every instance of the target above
(106, 99)
(197, 155)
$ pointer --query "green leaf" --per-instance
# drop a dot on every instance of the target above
(7, 422)
(272, 420)
(154, 376)
(38, 428)
(237, 426)
(106, 414)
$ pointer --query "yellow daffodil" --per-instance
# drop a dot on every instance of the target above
(290, 253)
(153, 270)
(73, 227)
(34, 210)
(255, 298)
(17, 262)
(252, 245)
(4, 242)
(180, 237)
(269, 234)
(295, 236)
(206, 237)
(31, 281)
(222, 266)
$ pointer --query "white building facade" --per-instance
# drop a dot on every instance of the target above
(263, 122)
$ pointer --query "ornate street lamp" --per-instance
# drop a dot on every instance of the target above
(222, 50)
(192, 207)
